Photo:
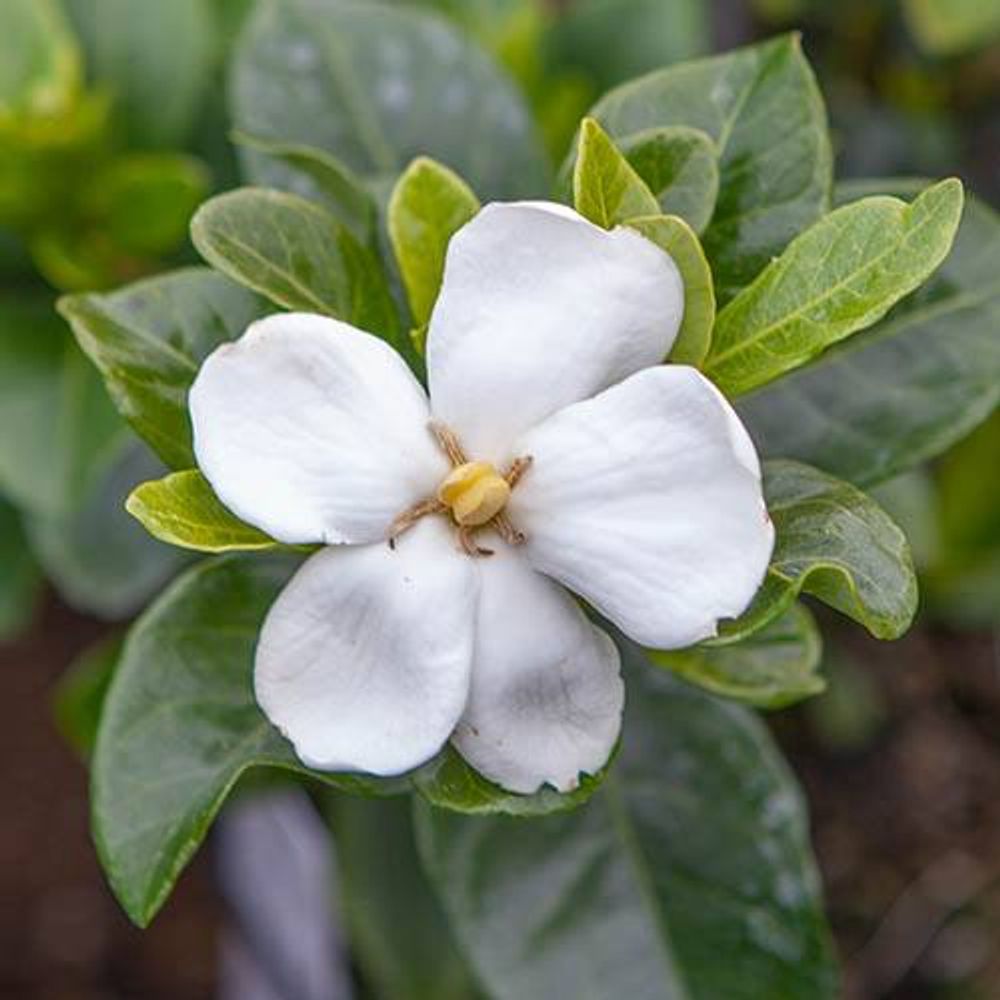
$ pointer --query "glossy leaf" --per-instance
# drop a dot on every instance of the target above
(761, 107)
(20, 581)
(182, 509)
(295, 253)
(772, 668)
(909, 387)
(606, 188)
(840, 276)
(376, 86)
(836, 544)
(180, 726)
(694, 848)
(676, 237)
(429, 204)
(681, 167)
(148, 341)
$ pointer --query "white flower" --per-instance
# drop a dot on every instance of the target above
(642, 496)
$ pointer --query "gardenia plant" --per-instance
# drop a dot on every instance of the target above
(554, 449)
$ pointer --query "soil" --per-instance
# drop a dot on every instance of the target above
(905, 809)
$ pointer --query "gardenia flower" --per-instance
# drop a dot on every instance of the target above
(555, 454)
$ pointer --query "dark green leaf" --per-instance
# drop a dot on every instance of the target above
(839, 276)
(761, 107)
(377, 86)
(182, 509)
(148, 341)
(297, 254)
(912, 385)
(80, 693)
(20, 581)
(774, 667)
(687, 875)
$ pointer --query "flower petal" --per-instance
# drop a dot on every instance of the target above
(646, 501)
(540, 308)
(363, 661)
(546, 696)
(313, 431)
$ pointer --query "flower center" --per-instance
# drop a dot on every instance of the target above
(474, 493)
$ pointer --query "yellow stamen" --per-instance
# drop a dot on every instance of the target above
(475, 492)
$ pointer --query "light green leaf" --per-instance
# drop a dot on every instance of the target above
(399, 934)
(377, 86)
(99, 559)
(20, 581)
(52, 407)
(156, 59)
(182, 509)
(774, 667)
(80, 692)
(909, 387)
(297, 254)
(429, 204)
(762, 109)
(148, 341)
(324, 179)
(681, 167)
(841, 275)
(180, 726)
(949, 27)
(676, 237)
(835, 543)
(695, 849)
(606, 189)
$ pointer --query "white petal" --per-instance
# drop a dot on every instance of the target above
(646, 501)
(540, 308)
(546, 697)
(363, 661)
(313, 431)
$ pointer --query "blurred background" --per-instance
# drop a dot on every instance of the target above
(900, 758)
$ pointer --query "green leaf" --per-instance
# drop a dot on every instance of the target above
(20, 581)
(606, 189)
(835, 543)
(429, 204)
(949, 27)
(40, 70)
(377, 86)
(399, 933)
(182, 509)
(841, 275)
(180, 726)
(80, 693)
(326, 180)
(148, 341)
(52, 407)
(694, 850)
(774, 667)
(155, 59)
(681, 167)
(909, 387)
(297, 254)
(762, 109)
(100, 560)
(676, 237)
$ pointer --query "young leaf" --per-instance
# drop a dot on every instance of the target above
(840, 276)
(761, 107)
(182, 509)
(20, 581)
(676, 237)
(429, 204)
(295, 253)
(695, 847)
(148, 341)
(909, 387)
(774, 667)
(606, 189)
(835, 543)
(180, 726)
(681, 167)
(378, 85)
